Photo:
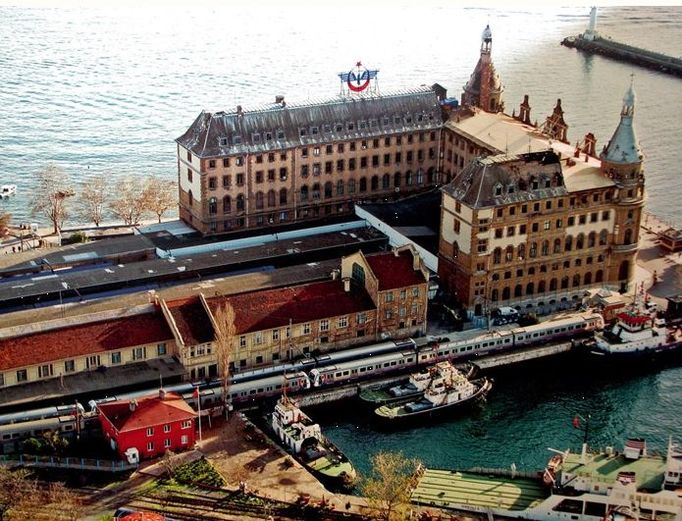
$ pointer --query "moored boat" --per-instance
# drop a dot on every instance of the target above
(636, 333)
(7, 190)
(414, 386)
(455, 393)
(304, 439)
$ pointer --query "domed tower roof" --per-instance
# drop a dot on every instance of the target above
(487, 34)
(623, 146)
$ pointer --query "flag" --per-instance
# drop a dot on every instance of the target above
(195, 394)
(576, 422)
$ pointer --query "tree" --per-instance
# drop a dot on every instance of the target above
(54, 442)
(160, 195)
(93, 199)
(130, 203)
(388, 487)
(225, 331)
(5, 220)
(49, 197)
(12, 489)
(169, 463)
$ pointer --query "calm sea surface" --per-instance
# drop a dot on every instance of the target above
(109, 89)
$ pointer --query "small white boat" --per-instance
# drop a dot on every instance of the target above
(7, 190)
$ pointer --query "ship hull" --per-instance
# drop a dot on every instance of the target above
(659, 353)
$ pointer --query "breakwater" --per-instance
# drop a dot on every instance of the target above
(626, 53)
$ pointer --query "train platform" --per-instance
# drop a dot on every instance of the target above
(84, 385)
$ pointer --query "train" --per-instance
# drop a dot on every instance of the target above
(325, 370)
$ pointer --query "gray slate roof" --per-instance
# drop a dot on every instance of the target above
(281, 125)
(512, 176)
(623, 146)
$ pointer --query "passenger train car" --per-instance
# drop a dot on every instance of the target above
(40, 414)
(12, 435)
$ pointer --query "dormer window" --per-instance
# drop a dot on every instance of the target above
(363, 125)
(256, 138)
(327, 128)
(534, 183)
(511, 188)
(280, 134)
(397, 120)
(236, 140)
(408, 120)
(420, 118)
(548, 183)
(314, 131)
(498, 189)
(351, 126)
(303, 132)
(385, 121)
(268, 136)
(373, 123)
(339, 127)
(223, 141)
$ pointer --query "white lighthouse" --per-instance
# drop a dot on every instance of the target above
(591, 32)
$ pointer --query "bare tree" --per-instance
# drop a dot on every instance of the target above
(169, 463)
(69, 504)
(12, 486)
(93, 199)
(225, 331)
(388, 487)
(129, 205)
(49, 198)
(160, 195)
(5, 220)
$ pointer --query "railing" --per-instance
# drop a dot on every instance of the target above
(27, 460)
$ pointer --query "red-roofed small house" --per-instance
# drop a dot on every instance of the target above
(147, 427)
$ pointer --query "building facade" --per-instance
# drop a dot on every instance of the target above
(249, 169)
(147, 427)
(536, 229)
(61, 348)
(370, 298)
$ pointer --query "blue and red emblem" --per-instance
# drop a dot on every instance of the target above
(359, 78)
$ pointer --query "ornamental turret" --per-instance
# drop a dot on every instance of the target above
(484, 88)
(621, 161)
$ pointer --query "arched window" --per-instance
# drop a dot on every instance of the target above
(545, 247)
(568, 245)
(599, 277)
(580, 242)
(533, 252)
(259, 200)
(576, 280)
(627, 237)
(530, 287)
(283, 196)
(455, 250)
(588, 278)
(552, 285)
(351, 186)
(191, 199)
(386, 182)
(591, 239)
(624, 270)
(408, 178)
(375, 183)
(316, 191)
(497, 255)
(339, 187)
(212, 206)
(227, 204)
(240, 203)
(430, 175)
(396, 179)
(272, 198)
(494, 296)
(603, 237)
(505, 293)
(498, 189)
(557, 245)
(522, 251)
(542, 286)
(304, 193)
(564, 282)
(363, 184)
(518, 290)
(328, 189)
(509, 253)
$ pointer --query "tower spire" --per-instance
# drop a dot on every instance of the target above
(623, 146)
(484, 88)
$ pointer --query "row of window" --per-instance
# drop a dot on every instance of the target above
(186, 424)
(91, 362)
(543, 287)
(184, 440)
(547, 248)
(542, 268)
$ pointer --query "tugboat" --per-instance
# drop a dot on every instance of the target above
(455, 392)
(7, 190)
(304, 439)
(636, 333)
(414, 387)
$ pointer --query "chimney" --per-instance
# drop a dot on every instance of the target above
(133, 404)
(415, 261)
(590, 144)
(240, 112)
(346, 284)
(279, 99)
(335, 274)
(162, 394)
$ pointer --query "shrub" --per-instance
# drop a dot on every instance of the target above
(199, 472)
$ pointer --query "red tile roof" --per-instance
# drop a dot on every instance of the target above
(83, 339)
(260, 310)
(150, 411)
(191, 319)
(395, 271)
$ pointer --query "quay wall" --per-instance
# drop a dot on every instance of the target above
(623, 52)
